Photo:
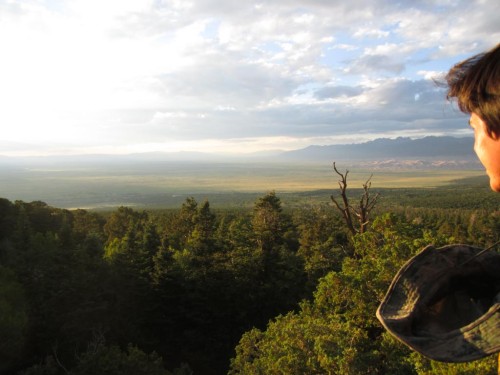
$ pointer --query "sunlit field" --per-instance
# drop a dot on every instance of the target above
(167, 184)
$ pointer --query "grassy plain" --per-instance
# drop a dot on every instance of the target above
(167, 184)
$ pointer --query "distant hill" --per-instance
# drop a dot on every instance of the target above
(428, 152)
(448, 148)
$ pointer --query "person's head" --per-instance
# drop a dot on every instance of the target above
(475, 83)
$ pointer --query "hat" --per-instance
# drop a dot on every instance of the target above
(445, 303)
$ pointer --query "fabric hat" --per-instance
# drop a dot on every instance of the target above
(445, 303)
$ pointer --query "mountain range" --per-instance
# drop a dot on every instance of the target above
(429, 151)
(429, 148)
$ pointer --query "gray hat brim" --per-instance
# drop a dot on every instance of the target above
(445, 303)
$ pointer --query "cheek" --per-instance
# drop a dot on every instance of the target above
(483, 147)
(488, 152)
(479, 149)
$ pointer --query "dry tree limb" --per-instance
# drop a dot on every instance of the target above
(366, 204)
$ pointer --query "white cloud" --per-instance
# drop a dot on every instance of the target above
(369, 32)
(88, 73)
(431, 74)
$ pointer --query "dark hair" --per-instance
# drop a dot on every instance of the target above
(475, 83)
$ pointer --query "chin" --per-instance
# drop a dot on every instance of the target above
(495, 186)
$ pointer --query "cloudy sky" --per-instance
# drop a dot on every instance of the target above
(118, 76)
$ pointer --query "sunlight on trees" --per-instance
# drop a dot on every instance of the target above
(262, 290)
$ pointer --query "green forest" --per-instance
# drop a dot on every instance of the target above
(270, 289)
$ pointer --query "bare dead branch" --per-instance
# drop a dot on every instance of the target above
(365, 205)
(56, 357)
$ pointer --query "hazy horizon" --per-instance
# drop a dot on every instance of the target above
(133, 76)
(219, 153)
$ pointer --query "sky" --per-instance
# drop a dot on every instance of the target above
(225, 76)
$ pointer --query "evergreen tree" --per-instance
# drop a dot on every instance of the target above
(13, 320)
(267, 222)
